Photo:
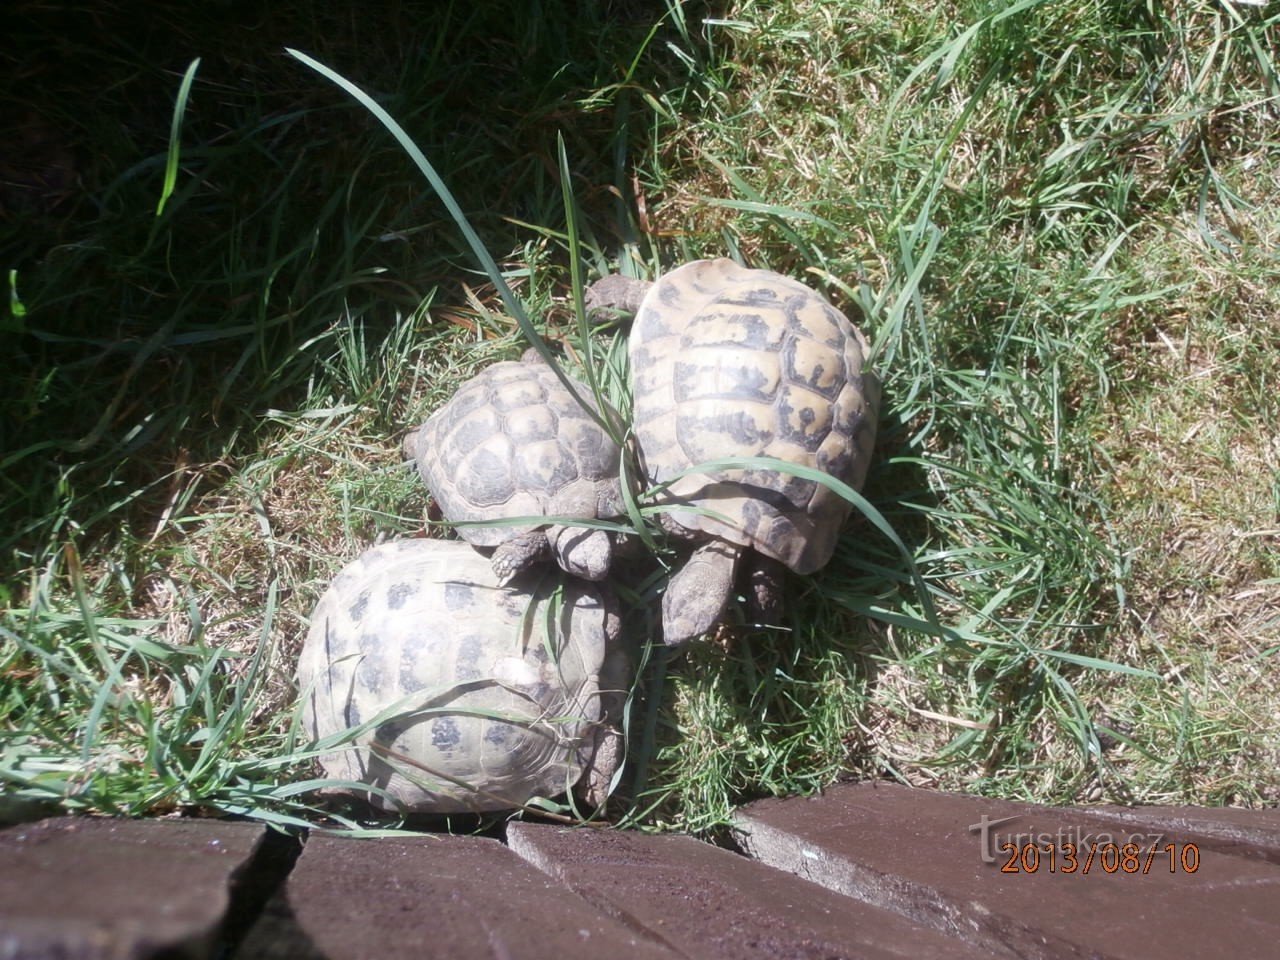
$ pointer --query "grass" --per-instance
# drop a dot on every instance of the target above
(1054, 221)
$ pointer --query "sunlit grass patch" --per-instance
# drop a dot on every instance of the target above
(1195, 492)
(1044, 144)
(1056, 221)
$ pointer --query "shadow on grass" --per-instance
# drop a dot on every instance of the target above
(143, 346)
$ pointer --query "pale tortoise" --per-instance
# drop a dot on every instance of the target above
(466, 695)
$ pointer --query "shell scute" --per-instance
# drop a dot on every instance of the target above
(399, 593)
(814, 367)
(357, 609)
(476, 427)
(544, 465)
(725, 374)
(486, 481)
(515, 393)
(532, 423)
(445, 735)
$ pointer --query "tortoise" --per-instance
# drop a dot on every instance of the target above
(514, 442)
(469, 695)
(730, 362)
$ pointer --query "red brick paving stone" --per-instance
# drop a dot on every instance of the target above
(709, 903)
(431, 896)
(919, 852)
(96, 888)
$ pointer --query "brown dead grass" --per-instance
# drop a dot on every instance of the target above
(254, 555)
(1192, 436)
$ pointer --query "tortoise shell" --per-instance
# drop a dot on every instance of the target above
(466, 695)
(513, 442)
(732, 362)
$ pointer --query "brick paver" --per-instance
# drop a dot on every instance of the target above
(76, 888)
(921, 853)
(709, 903)
(431, 896)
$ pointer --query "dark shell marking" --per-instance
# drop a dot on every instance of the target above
(731, 362)
(513, 442)
(492, 707)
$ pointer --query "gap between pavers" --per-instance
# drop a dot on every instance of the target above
(921, 854)
(431, 896)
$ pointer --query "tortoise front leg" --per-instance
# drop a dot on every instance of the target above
(519, 553)
(698, 592)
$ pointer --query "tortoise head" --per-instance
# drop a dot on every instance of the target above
(409, 445)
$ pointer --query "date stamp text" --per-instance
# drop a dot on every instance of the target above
(1108, 857)
(1074, 850)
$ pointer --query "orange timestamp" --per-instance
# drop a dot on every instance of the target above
(1092, 856)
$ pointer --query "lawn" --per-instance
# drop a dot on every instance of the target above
(231, 291)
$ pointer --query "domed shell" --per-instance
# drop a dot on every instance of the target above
(733, 362)
(454, 681)
(513, 442)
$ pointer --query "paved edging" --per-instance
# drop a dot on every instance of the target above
(1054, 882)
(870, 870)
(706, 902)
(75, 888)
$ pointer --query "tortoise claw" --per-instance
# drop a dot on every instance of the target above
(515, 556)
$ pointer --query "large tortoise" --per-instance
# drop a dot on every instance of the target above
(513, 442)
(471, 695)
(730, 362)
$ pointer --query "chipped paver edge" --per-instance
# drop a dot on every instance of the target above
(738, 899)
(968, 921)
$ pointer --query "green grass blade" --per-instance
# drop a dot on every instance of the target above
(175, 136)
(478, 249)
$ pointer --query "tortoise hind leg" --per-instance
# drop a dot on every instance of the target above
(519, 553)
(698, 592)
(606, 758)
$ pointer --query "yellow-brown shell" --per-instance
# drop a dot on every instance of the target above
(495, 686)
(733, 362)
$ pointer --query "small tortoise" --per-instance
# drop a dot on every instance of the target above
(730, 362)
(478, 696)
(513, 442)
